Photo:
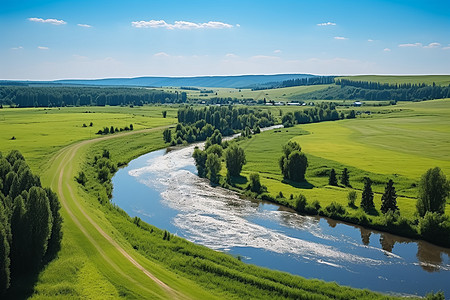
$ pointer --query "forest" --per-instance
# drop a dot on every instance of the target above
(30, 222)
(21, 96)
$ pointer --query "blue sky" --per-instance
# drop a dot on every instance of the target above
(43, 40)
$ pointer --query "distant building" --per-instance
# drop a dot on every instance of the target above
(357, 103)
(294, 103)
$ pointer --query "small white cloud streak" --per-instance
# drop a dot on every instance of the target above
(410, 45)
(433, 45)
(277, 51)
(386, 50)
(161, 54)
(327, 24)
(420, 45)
(341, 38)
(17, 48)
(370, 40)
(180, 25)
(231, 55)
(49, 21)
(84, 25)
(42, 48)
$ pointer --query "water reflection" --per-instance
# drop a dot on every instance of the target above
(275, 236)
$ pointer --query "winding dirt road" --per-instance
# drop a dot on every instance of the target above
(64, 171)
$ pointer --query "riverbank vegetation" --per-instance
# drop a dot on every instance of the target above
(351, 145)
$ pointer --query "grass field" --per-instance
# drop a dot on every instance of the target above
(400, 145)
(428, 79)
(104, 254)
(281, 94)
(41, 132)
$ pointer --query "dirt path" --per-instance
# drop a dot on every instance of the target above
(65, 167)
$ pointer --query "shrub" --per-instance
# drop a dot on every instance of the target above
(351, 196)
(301, 203)
(335, 209)
(435, 227)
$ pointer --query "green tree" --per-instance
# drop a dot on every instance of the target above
(200, 162)
(19, 231)
(433, 191)
(345, 180)
(213, 166)
(367, 195)
(389, 198)
(255, 184)
(39, 222)
(164, 113)
(217, 149)
(131, 127)
(235, 160)
(4, 252)
(103, 174)
(54, 242)
(167, 135)
(296, 165)
(332, 180)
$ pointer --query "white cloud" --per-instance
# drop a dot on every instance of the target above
(277, 51)
(420, 45)
(43, 48)
(49, 21)
(17, 48)
(340, 38)
(180, 25)
(84, 25)
(410, 45)
(370, 40)
(327, 24)
(387, 50)
(446, 48)
(161, 54)
(231, 55)
(433, 45)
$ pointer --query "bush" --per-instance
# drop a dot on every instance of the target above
(335, 209)
(255, 185)
(435, 227)
(301, 203)
(351, 196)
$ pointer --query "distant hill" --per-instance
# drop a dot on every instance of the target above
(201, 81)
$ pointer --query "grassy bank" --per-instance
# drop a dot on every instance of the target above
(400, 145)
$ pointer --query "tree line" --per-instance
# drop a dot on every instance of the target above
(214, 122)
(30, 222)
(366, 90)
(321, 112)
(26, 96)
(299, 82)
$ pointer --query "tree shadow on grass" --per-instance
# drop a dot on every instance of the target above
(300, 185)
(238, 180)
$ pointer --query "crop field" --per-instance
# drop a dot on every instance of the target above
(428, 79)
(40, 132)
(400, 145)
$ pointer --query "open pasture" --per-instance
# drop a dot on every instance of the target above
(40, 132)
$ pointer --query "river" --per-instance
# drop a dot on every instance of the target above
(162, 189)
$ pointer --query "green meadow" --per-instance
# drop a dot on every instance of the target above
(106, 254)
(40, 132)
(281, 94)
(399, 144)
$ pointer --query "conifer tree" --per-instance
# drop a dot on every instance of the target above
(389, 198)
(332, 180)
(345, 177)
(367, 195)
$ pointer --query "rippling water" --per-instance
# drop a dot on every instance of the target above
(162, 189)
